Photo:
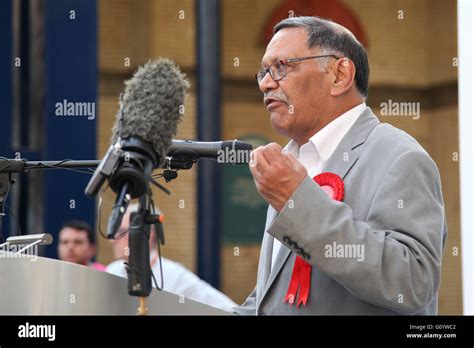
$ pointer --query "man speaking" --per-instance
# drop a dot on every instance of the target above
(356, 222)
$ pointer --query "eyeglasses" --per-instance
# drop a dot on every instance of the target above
(278, 71)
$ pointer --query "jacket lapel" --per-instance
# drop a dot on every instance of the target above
(265, 260)
(340, 162)
(283, 254)
(347, 152)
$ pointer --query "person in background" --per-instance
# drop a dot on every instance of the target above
(76, 244)
(177, 279)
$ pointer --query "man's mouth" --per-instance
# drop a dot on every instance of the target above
(271, 102)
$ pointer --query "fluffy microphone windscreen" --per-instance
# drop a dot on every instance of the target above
(152, 101)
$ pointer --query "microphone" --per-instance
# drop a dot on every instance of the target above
(229, 151)
(148, 118)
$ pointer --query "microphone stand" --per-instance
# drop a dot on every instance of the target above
(10, 166)
(139, 268)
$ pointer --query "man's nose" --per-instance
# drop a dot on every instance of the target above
(267, 83)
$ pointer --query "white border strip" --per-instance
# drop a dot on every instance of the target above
(466, 147)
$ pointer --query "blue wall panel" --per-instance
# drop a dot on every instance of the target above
(5, 87)
(71, 74)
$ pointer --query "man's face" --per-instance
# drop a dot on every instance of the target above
(304, 91)
(74, 246)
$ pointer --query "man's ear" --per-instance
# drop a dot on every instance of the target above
(343, 72)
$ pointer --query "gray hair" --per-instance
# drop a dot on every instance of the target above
(333, 38)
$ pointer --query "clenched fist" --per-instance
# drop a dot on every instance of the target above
(276, 174)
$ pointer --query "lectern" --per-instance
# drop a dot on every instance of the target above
(33, 285)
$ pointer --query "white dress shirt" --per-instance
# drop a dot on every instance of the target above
(314, 154)
(180, 281)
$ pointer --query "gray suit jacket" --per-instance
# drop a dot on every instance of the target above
(393, 211)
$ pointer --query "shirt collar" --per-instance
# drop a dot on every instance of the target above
(326, 140)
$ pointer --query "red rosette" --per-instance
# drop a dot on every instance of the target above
(332, 184)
